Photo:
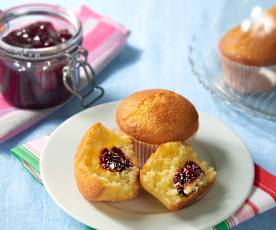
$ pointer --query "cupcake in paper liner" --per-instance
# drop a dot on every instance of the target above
(248, 57)
(153, 117)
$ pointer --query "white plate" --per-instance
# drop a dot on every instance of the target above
(214, 142)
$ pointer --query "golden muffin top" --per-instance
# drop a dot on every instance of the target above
(157, 116)
(253, 42)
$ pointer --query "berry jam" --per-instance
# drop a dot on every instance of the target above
(186, 175)
(40, 34)
(36, 84)
(114, 160)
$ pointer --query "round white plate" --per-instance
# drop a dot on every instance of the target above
(215, 143)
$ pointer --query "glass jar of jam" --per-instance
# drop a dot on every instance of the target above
(41, 57)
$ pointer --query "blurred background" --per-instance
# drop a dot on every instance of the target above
(156, 56)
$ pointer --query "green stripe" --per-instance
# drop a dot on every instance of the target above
(222, 226)
(26, 155)
(90, 228)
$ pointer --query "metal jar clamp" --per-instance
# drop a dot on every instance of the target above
(73, 84)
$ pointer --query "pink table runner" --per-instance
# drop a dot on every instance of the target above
(103, 38)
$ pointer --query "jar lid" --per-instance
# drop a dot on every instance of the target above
(19, 16)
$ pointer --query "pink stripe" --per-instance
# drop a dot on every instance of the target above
(240, 213)
(4, 105)
(108, 47)
(5, 109)
(253, 207)
(244, 213)
(36, 147)
(115, 38)
(21, 128)
(248, 212)
(40, 143)
(34, 173)
(231, 222)
(100, 62)
(98, 35)
(86, 13)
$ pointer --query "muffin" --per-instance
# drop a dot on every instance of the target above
(175, 176)
(106, 167)
(156, 116)
(248, 57)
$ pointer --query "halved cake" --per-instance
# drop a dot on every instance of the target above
(175, 175)
(106, 167)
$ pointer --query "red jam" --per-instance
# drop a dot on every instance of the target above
(114, 160)
(37, 35)
(36, 84)
(186, 175)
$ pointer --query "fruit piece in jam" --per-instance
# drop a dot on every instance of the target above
(114, 160)
(186, 175)
(40, 34)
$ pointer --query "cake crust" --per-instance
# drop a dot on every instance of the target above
(94, 182)
(157, 116)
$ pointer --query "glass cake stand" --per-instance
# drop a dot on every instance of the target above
(205, 61)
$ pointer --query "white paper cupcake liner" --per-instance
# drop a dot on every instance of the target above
(144, 150)
(248, 79)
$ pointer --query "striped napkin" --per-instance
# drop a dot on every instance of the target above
(262, 197)
(103, 38)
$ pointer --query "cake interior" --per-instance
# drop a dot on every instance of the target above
(110, 158)
(175, 175)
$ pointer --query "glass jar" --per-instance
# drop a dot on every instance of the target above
(36, 78)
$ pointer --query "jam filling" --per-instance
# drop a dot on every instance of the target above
(186, 175)
(36, 85)
(40, 34)
(114, 160)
